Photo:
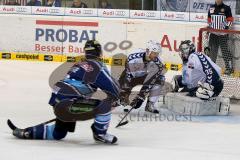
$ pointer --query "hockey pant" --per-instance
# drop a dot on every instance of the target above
(127, 88)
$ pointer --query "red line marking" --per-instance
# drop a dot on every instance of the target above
(67, 23)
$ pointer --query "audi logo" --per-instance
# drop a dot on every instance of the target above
(88, 12)
(120, 13)
(150, 14)
(21, 9)
(52, 10)
(180, 16)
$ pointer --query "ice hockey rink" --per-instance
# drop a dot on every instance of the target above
(24, 99)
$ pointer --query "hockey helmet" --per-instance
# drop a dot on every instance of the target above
(154, 46)
(93, 49)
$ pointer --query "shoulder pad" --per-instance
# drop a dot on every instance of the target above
(135, 56)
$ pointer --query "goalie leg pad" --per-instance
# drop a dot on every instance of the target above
(184, 105)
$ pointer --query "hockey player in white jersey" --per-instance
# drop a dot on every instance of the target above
(143, 67)
(200, 76)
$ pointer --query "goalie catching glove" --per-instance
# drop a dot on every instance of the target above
(204, 91)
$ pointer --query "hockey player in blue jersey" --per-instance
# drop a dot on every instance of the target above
(72, 101)
(143, 67)
(201, 77)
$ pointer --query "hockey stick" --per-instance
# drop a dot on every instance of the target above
(121, 123)
(13, 127)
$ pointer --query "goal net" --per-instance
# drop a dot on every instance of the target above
(223, 47)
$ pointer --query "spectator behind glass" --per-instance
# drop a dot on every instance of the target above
(12, 3)
(174, 5)
(34, 3)
(53, 3)
(104, 4)
(78, 4)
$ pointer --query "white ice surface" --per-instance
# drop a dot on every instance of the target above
(24, 95)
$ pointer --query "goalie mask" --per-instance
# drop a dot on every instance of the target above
(186, 48)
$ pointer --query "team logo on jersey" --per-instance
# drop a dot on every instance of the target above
(212, 10)
(87, 67)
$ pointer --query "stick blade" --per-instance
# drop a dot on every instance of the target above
(11, 125)
(122, 124)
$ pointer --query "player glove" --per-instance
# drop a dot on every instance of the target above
(137, 102)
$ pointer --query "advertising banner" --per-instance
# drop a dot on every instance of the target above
(140, 14)
(196, 6)
(59, 11)
(176, 16)
(15, 10)
(82, 12)
(114, 13)
(64, 35)
(198, 17)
